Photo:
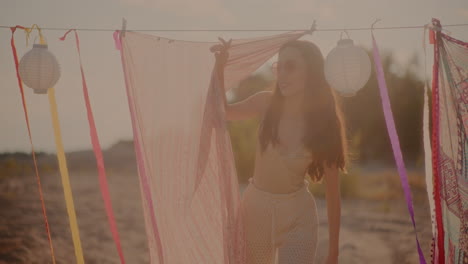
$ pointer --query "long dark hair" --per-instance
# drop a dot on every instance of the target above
(325, 131)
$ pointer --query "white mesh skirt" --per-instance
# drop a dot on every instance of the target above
(280, 228)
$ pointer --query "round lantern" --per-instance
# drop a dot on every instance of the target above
(347, 68)
(39, 69)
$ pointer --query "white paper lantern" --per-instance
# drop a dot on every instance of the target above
(39, 69)
(347, 68)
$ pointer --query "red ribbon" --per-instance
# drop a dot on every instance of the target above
(25, 109)
(431, 36)
(98, 154)
(440, 253)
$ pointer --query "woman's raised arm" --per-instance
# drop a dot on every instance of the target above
(250, 107)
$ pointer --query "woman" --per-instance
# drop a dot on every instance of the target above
(301, 133)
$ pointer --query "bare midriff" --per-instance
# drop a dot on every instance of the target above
(277, 172)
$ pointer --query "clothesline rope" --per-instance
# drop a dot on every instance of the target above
(256, 30)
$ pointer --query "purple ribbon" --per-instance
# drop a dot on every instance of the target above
(394, 139)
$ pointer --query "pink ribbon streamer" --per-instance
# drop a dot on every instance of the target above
(139, 153)
(394, 139)
(98, 155)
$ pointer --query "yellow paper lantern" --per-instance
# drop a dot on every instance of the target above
(39, 69)
(347, 68)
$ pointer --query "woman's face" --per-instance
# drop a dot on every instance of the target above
(291, 72)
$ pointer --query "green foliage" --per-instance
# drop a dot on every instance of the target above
(10, 167)
(385, 185)
(365, 120)
(19, 165)
(349, 185)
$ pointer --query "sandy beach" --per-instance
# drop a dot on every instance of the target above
(373, 230)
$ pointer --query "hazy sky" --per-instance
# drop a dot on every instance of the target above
(102, 62)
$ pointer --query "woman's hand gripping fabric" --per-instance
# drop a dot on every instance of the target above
(221, 52)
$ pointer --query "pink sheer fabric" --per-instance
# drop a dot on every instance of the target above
(189, 185)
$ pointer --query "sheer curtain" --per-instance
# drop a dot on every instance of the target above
(189, 185)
